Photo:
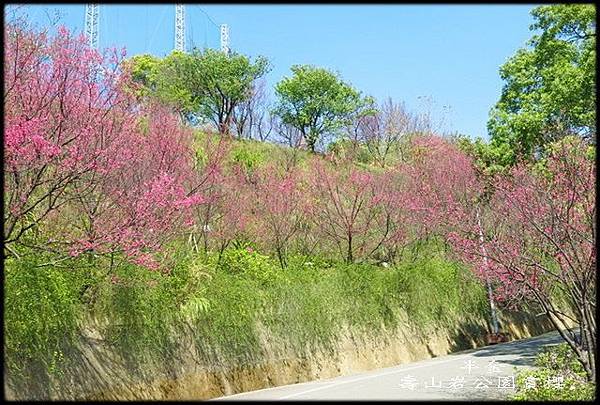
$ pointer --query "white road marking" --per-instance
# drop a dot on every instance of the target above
(325, 384)
(274, 388)
(373, 376)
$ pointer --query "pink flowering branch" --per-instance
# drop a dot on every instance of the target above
(85, 164)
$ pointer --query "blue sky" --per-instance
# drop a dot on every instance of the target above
(442, 58)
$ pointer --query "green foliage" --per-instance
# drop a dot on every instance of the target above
(550, 86)
(316, 102)
(560, 358)
(558, 376)
(346, 148)
(251, 154)
(489, 158)
(379, 293)
(250, 158)
(172, 86)
(143, 69)
(226, 305)
(201, 85)
(246, 262)
(42, 311)
(437, 292)
(227, 332)
(574, 151)
(133, 302)
(136, 311)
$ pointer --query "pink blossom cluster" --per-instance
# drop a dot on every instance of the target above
(538, 227)
(85, 162)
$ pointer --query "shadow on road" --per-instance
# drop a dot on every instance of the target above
(525, 351)
(471, 336)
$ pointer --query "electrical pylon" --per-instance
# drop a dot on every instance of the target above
(225, 38)
(92, 14)
(180, 27)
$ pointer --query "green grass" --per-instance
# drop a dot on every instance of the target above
(252, 154)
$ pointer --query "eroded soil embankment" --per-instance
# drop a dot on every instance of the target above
(187, 378)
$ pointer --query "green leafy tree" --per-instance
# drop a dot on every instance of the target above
(550, 86)
(201, 85)
(173, 86)
(489, 158)
(163, 80)
(316, 102)
(143, 69)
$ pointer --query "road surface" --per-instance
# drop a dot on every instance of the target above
(484, 373)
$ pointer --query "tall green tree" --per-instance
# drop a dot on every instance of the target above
(173, 86)
(316, 102)
(143, 69)
(550, 86)
(202, 85)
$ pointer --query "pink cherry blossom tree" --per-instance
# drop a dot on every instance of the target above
(440, 189)
(539, 231)
(439, 179)
(213, 182)
(84, 163)
(277, 208)
(347, 208)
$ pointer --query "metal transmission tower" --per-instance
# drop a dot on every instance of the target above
(225, 38)
(180, 27)
(91, 24)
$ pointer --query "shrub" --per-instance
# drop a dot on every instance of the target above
(558, 376)
(244, 261)
(42, 311)
(247, 156)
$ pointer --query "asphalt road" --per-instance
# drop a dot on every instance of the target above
(484, 373)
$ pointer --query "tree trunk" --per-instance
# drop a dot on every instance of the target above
(281, 258)
(349, 258)
(495, 328)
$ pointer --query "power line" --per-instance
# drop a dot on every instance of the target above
(223, 29)
(207, 16)
(190, 37)
(224, 33)
(205, 33)
(162, 18)
(92, 27)
(146, 32)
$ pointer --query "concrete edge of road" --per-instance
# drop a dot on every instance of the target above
(324, 381)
